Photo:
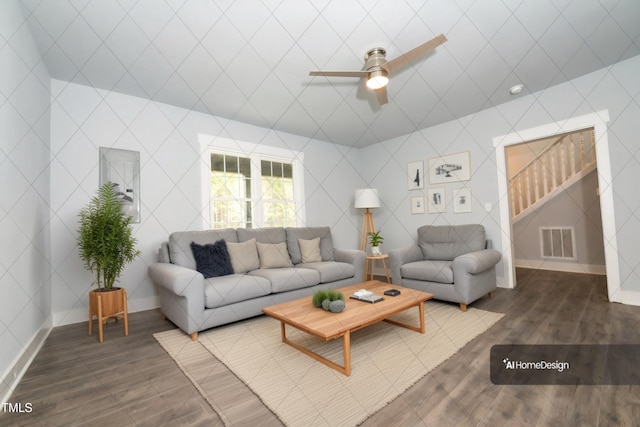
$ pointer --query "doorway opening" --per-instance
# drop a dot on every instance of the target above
(554, 203)
(598, 122)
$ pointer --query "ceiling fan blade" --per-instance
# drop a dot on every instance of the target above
(381, 95)
(410, 56)
(338, 73)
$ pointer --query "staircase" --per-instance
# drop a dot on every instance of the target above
(563, 163)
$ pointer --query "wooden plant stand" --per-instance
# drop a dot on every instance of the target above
(106, 305)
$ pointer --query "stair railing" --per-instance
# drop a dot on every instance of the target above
(558, 163)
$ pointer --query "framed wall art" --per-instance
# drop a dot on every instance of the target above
(122, 169)
(450, 168)
(417, 205)
(415, 176)
(461, 200)
(436, 200)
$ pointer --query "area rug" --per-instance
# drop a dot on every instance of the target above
(385, 360)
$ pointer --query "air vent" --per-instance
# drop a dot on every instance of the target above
(558, 242)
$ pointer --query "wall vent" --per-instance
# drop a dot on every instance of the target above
(558, 242)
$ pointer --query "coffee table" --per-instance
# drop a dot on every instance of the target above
(302, 315)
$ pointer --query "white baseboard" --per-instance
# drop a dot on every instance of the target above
(502, 283)
(561, 266)
(11, 378)
(78, 315)
(627, 297)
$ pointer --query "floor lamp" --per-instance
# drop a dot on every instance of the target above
(367, 198)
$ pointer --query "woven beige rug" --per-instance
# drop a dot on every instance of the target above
(385, 360)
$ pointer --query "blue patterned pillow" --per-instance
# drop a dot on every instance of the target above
(212, 260)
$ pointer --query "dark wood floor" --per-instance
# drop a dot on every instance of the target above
(132, 381)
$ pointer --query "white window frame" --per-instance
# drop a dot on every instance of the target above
(255, 152)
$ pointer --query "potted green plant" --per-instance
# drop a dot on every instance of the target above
(329, 300)
(106, 245)
(375, 238)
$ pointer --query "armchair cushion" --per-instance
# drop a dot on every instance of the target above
(477, 262)
(431, 271)
(446, 242)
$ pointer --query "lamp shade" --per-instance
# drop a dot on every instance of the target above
(367, 198)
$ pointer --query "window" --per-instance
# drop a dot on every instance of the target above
(254, 191)
(557, 242)
(230, 191)
(278, 202)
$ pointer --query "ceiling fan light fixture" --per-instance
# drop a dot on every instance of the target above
(377, 79)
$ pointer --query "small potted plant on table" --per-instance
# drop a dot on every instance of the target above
(375, 238)
(106, 245)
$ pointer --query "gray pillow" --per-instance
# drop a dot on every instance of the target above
(273, 255)
(294, 234)
(310, 250)
(244, 256)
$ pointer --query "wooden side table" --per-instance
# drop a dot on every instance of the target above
(368, 266)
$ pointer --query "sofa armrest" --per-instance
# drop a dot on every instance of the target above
(476, 262)
(399, 257)
(352, 256)
(176, 279)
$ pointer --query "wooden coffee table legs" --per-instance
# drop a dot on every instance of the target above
(346, 342)
(346, 347)
(420, 328)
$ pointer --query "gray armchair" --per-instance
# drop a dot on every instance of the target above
(451, 262)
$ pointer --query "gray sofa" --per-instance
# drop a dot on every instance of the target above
(269, 267)
(451, 262)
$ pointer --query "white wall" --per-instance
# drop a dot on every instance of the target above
(25, 253)
(616, 89)
(171, 157)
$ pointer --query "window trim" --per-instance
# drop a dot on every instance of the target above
(256, 152)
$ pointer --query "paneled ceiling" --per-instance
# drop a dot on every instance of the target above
(249, 60)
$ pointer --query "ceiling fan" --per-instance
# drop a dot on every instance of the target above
(376, 68)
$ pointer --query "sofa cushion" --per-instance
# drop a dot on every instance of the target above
(310, 250)
(212, 259)
(287, 279)
(273, 255)
(262, 235)
(244, 256)
(308, 233)
(330, 271)
(432, 271)
(180, 244)
(445, 242)
(225, 290)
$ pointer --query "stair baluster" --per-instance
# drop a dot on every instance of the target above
(553, 169)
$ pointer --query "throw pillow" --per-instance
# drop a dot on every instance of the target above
(273, 255)
(244, 256)
(212, 259)
(310, 250)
